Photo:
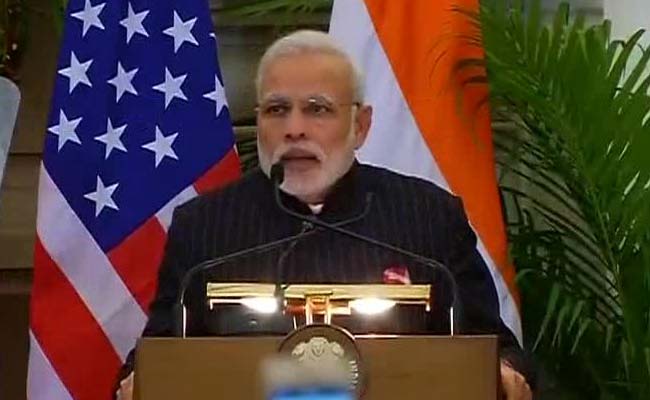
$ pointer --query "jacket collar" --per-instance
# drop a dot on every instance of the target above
(346, 199)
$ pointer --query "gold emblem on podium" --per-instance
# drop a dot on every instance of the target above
(326, 346)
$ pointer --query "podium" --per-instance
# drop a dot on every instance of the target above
(381, 367)
(397, 367)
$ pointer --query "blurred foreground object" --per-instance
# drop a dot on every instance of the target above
(9, 99)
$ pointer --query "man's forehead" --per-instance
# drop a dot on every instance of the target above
(313, 73)
(314, 57)
(275, 96)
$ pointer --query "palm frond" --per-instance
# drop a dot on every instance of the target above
(246, 143)
(575, 177)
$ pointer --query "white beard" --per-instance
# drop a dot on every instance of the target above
(314, 186)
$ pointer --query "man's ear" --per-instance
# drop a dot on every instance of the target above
(362, 122)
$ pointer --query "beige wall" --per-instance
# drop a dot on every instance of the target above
(628, 16)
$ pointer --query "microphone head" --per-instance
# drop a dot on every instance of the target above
(277, 173)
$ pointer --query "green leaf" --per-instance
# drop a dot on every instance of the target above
(559, 323)
(577, 309)
(639, 70)
(626, 360)
(532, 31)
(548, 316)
(609, 331)
(584, 325)
(646, 354)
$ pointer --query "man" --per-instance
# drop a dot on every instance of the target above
(311, 118)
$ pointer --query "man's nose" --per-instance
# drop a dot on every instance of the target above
(296, 125)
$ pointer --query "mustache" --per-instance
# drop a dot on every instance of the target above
(305, 148)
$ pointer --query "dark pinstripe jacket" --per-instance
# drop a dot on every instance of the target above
(408, 212)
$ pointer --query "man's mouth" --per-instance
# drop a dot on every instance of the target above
(299, 159)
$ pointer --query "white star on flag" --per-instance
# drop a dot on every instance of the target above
(111, 138)
(133, 23)
(76, 72)
(162, 146)
(181, 31)
(90, 17)
(65, 130)
(218, 95)
(171, 87)
(102, 196)
(122, 81)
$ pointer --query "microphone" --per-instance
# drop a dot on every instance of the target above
(277, 177)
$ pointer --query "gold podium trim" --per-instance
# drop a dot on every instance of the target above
(319, 299)
(398, 293)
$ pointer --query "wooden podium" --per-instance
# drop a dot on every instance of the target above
(397, 367)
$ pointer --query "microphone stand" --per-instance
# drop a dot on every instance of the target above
(181, 312)
(277, 177)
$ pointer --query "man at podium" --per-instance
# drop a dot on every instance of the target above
(311, 118)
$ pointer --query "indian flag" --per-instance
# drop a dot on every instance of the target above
(407, 50)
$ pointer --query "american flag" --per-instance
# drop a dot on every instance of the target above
(139, 123)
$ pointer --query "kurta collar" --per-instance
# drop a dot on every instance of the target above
(347, 199)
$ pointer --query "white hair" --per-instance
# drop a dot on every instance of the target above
(306, 42)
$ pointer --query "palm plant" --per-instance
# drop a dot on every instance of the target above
(573, 147)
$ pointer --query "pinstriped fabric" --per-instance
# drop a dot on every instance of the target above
(407, 212)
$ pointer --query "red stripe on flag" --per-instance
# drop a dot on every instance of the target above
(220, 174)
(69, 335)
(138, 258)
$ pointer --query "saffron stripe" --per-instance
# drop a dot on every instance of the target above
(401, 146)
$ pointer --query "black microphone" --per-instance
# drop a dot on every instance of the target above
(277, 177)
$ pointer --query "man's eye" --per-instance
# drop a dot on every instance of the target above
(319, 109)
(275, 109)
